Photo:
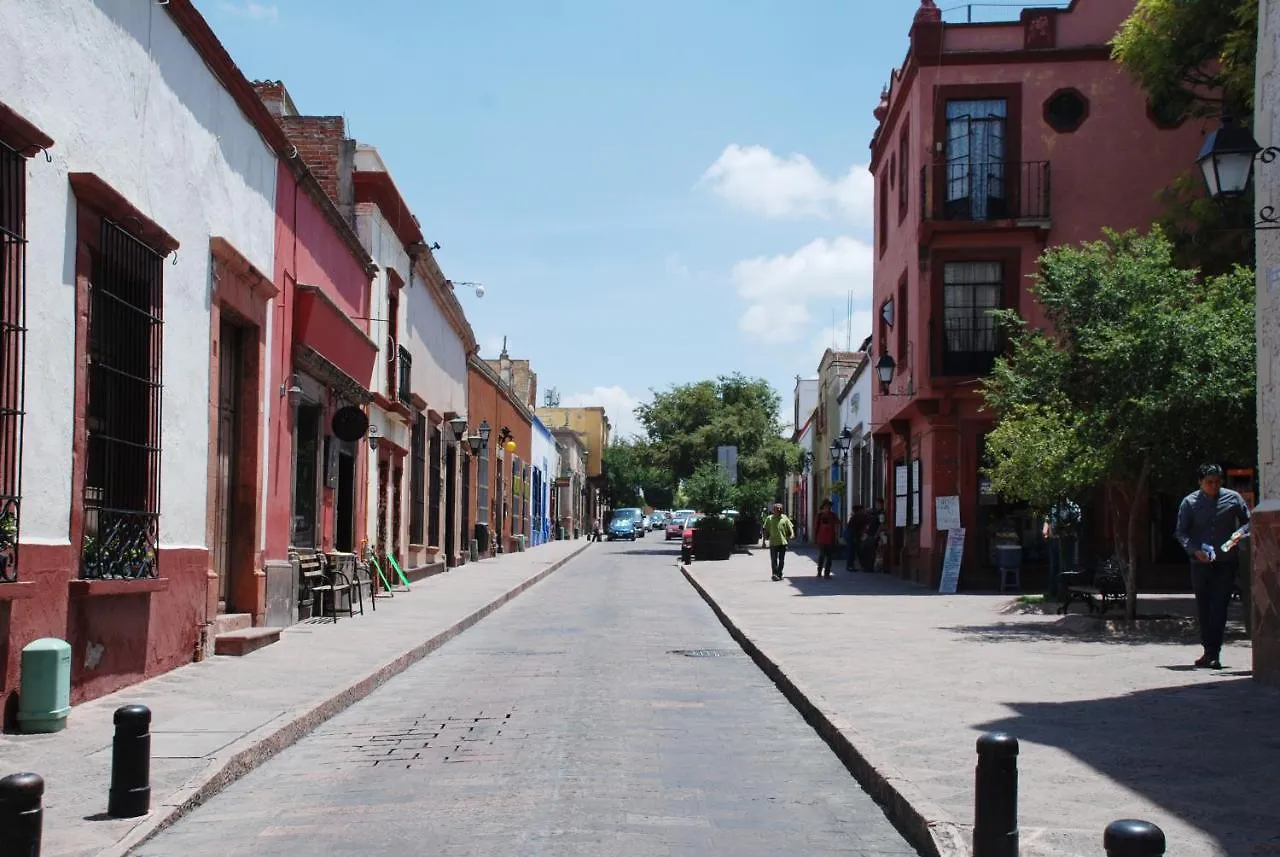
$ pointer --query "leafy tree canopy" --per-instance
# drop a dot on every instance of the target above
(1151, 371)
(630, 465)
(709, 489)
(1195, 56)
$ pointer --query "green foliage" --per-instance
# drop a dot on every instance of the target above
(709, 489)
(686, 423)
(1213, 235)
(1152, 371)
(1041, 455)
(1196, 56)
(629, 464)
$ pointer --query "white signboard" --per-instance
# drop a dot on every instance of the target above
(947, 512)
(727, 458)
(900, 496)
(951, 562)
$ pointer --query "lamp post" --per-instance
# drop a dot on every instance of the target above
(885, 367)
(459, 427)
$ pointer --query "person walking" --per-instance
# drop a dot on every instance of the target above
(826, 531)
(779, 531)
(1211, 522)
(871, 537)
(854, 532)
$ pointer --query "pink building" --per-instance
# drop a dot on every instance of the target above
(995, 140)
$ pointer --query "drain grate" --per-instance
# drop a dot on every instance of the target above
(704, 653)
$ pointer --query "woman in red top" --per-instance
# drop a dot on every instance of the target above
(826, 530)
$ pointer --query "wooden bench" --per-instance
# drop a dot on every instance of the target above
(1100, 589)
(316, 582)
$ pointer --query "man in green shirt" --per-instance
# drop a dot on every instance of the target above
(779, 531)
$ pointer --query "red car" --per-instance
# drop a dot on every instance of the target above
(675, 527)
(686, 545)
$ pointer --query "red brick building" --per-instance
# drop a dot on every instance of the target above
(995, 141)
(498, 496)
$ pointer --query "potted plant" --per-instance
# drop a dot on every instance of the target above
(710, 492)
(8, 541)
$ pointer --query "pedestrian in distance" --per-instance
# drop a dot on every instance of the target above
(779, 531)
(826, 534)
(1211, 522)
(596, 534)
(871, 537)
(854, 532)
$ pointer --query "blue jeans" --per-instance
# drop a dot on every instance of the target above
(1213, 584)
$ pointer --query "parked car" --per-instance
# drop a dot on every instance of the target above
(675, 526)
(621, 527)
(686, 544)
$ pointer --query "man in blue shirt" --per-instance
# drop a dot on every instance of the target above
(1208, 519)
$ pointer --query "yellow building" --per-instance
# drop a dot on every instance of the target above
(591, 423)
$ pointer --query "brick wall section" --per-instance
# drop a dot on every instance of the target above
(320, 142)
(273, 95)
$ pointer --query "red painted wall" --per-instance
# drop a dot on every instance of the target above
(1103, 174)
(309, 250)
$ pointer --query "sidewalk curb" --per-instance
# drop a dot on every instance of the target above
(290, 727)
(927, 826)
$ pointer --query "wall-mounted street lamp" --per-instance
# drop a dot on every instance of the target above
(292, 389)
(1226, 161)
(459, 427)
(478, 288)
(373, 437)
(885, 367)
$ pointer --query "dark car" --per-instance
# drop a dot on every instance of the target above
(621, 527)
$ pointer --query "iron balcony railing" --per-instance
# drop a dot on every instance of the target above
(976, 192)
(406, 370)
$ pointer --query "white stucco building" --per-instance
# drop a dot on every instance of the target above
(544, 463)
(855, 419)
(420, 379)
(128, 165)
(800, 484)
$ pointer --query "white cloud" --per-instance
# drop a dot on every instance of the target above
(618, 405)
(753, 178)
(251, 10)
(676, 268)
(779, 289)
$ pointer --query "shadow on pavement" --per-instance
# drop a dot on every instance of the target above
(1207, 753)
(1038, 632)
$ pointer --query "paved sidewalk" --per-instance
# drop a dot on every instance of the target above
(216, 720)
(902, 681)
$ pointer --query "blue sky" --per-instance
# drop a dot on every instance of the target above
(652, 193)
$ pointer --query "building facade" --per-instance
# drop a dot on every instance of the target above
(499, 504)
(571, 486)
(972, 128)
(592, 423)
(834, 370)
(106, 510)
(855, 432)
(544, 465)
(1266, 515)
(800, 482)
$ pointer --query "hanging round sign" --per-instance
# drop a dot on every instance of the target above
(349, 423)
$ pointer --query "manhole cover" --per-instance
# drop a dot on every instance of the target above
(703, 653)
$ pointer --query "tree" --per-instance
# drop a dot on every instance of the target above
(709, 489)
(1192, 56)
(687, 422)
(630, 465)
(1151, 371)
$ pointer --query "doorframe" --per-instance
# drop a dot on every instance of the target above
(241, 293)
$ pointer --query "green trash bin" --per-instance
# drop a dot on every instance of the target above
(44, 695)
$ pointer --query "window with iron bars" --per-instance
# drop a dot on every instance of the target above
(417, 476)
(482, 486)
(122, 473)
(13, 337)
(406, 369)
(437, 483)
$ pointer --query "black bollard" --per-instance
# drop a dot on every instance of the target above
(995, 804)
(21, 814)
(130, 794)
(1129, 837)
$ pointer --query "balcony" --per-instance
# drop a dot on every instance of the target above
(967, 192)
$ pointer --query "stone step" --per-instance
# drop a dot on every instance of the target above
(244, 640)
(225, 623)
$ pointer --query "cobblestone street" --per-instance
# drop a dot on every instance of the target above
(605, 712)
